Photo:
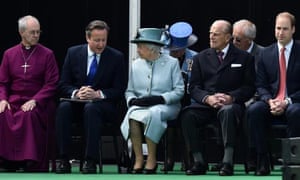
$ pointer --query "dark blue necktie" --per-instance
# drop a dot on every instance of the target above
(92, 72)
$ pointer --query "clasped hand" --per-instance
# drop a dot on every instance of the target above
(147, 101)
(218, 100)
(277, 107)
(86, 92)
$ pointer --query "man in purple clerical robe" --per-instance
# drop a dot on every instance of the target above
(28, 81)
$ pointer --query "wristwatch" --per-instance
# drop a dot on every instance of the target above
(288, 101)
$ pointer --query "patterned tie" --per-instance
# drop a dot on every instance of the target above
(93, 69)
(220, 56)
(282, 80)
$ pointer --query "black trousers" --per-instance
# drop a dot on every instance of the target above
(90, 115)
(194, 119)
(260, 119)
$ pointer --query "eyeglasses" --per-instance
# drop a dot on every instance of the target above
(237, 39)
(33, 32)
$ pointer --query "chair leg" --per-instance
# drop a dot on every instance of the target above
(100, 156)
(165, 152)
(271, 160)
(116, 147)
(53, 165)
(80, 165)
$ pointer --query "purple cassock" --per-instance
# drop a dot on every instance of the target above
(24, 75)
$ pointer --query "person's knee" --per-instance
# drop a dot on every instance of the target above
(64, 106)
(293, 112)
(184, 118)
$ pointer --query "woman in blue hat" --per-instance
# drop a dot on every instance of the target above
(153, 96)
(181, 38)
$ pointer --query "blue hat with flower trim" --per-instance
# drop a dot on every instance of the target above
(181, 34)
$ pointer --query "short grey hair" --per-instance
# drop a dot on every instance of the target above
(22, 22)
(248, 28)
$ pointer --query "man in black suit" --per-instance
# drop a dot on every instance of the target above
(270, 83)
(94, 78)
(220, 86)
(243, 36)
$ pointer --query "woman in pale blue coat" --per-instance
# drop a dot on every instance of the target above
(153, 96)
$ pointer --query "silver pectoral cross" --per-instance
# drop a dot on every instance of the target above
(25, 66)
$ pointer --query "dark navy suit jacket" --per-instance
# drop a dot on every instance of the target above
(235, 76)
(268, 73)
(110, 78)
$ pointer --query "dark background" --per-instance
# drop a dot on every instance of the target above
(63, 22)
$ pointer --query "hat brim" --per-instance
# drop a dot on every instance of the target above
(191, 40)
(148, 41)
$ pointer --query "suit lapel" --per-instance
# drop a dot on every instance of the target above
(230, 56)
(292, 59)
(101, 66)
(83, 63)
(213, 58)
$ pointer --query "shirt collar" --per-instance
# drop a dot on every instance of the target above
(225, 50)
(288, 47)
(250, 48)
(91, 53)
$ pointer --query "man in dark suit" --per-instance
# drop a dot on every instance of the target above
(94, 79)
(243, 36)
(278, 89)
(220, 86)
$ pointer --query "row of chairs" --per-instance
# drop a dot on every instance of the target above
(122, 157)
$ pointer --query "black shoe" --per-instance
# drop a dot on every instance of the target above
(32, 166)
(63, 167)
(137, 171)
(197, 169)
(250, 166)
(183, 166)
(263, 166)
(150, 171)
(167, 167)
(226, 170)
(216, 167)
(89, 167)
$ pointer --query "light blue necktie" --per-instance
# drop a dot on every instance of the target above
(92, 72)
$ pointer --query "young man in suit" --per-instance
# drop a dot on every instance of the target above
(278, 87)
(222, 80)
(95, 74)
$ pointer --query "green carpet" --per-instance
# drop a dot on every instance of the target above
(110, 173)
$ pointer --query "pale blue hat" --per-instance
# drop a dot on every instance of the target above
(151, 35)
